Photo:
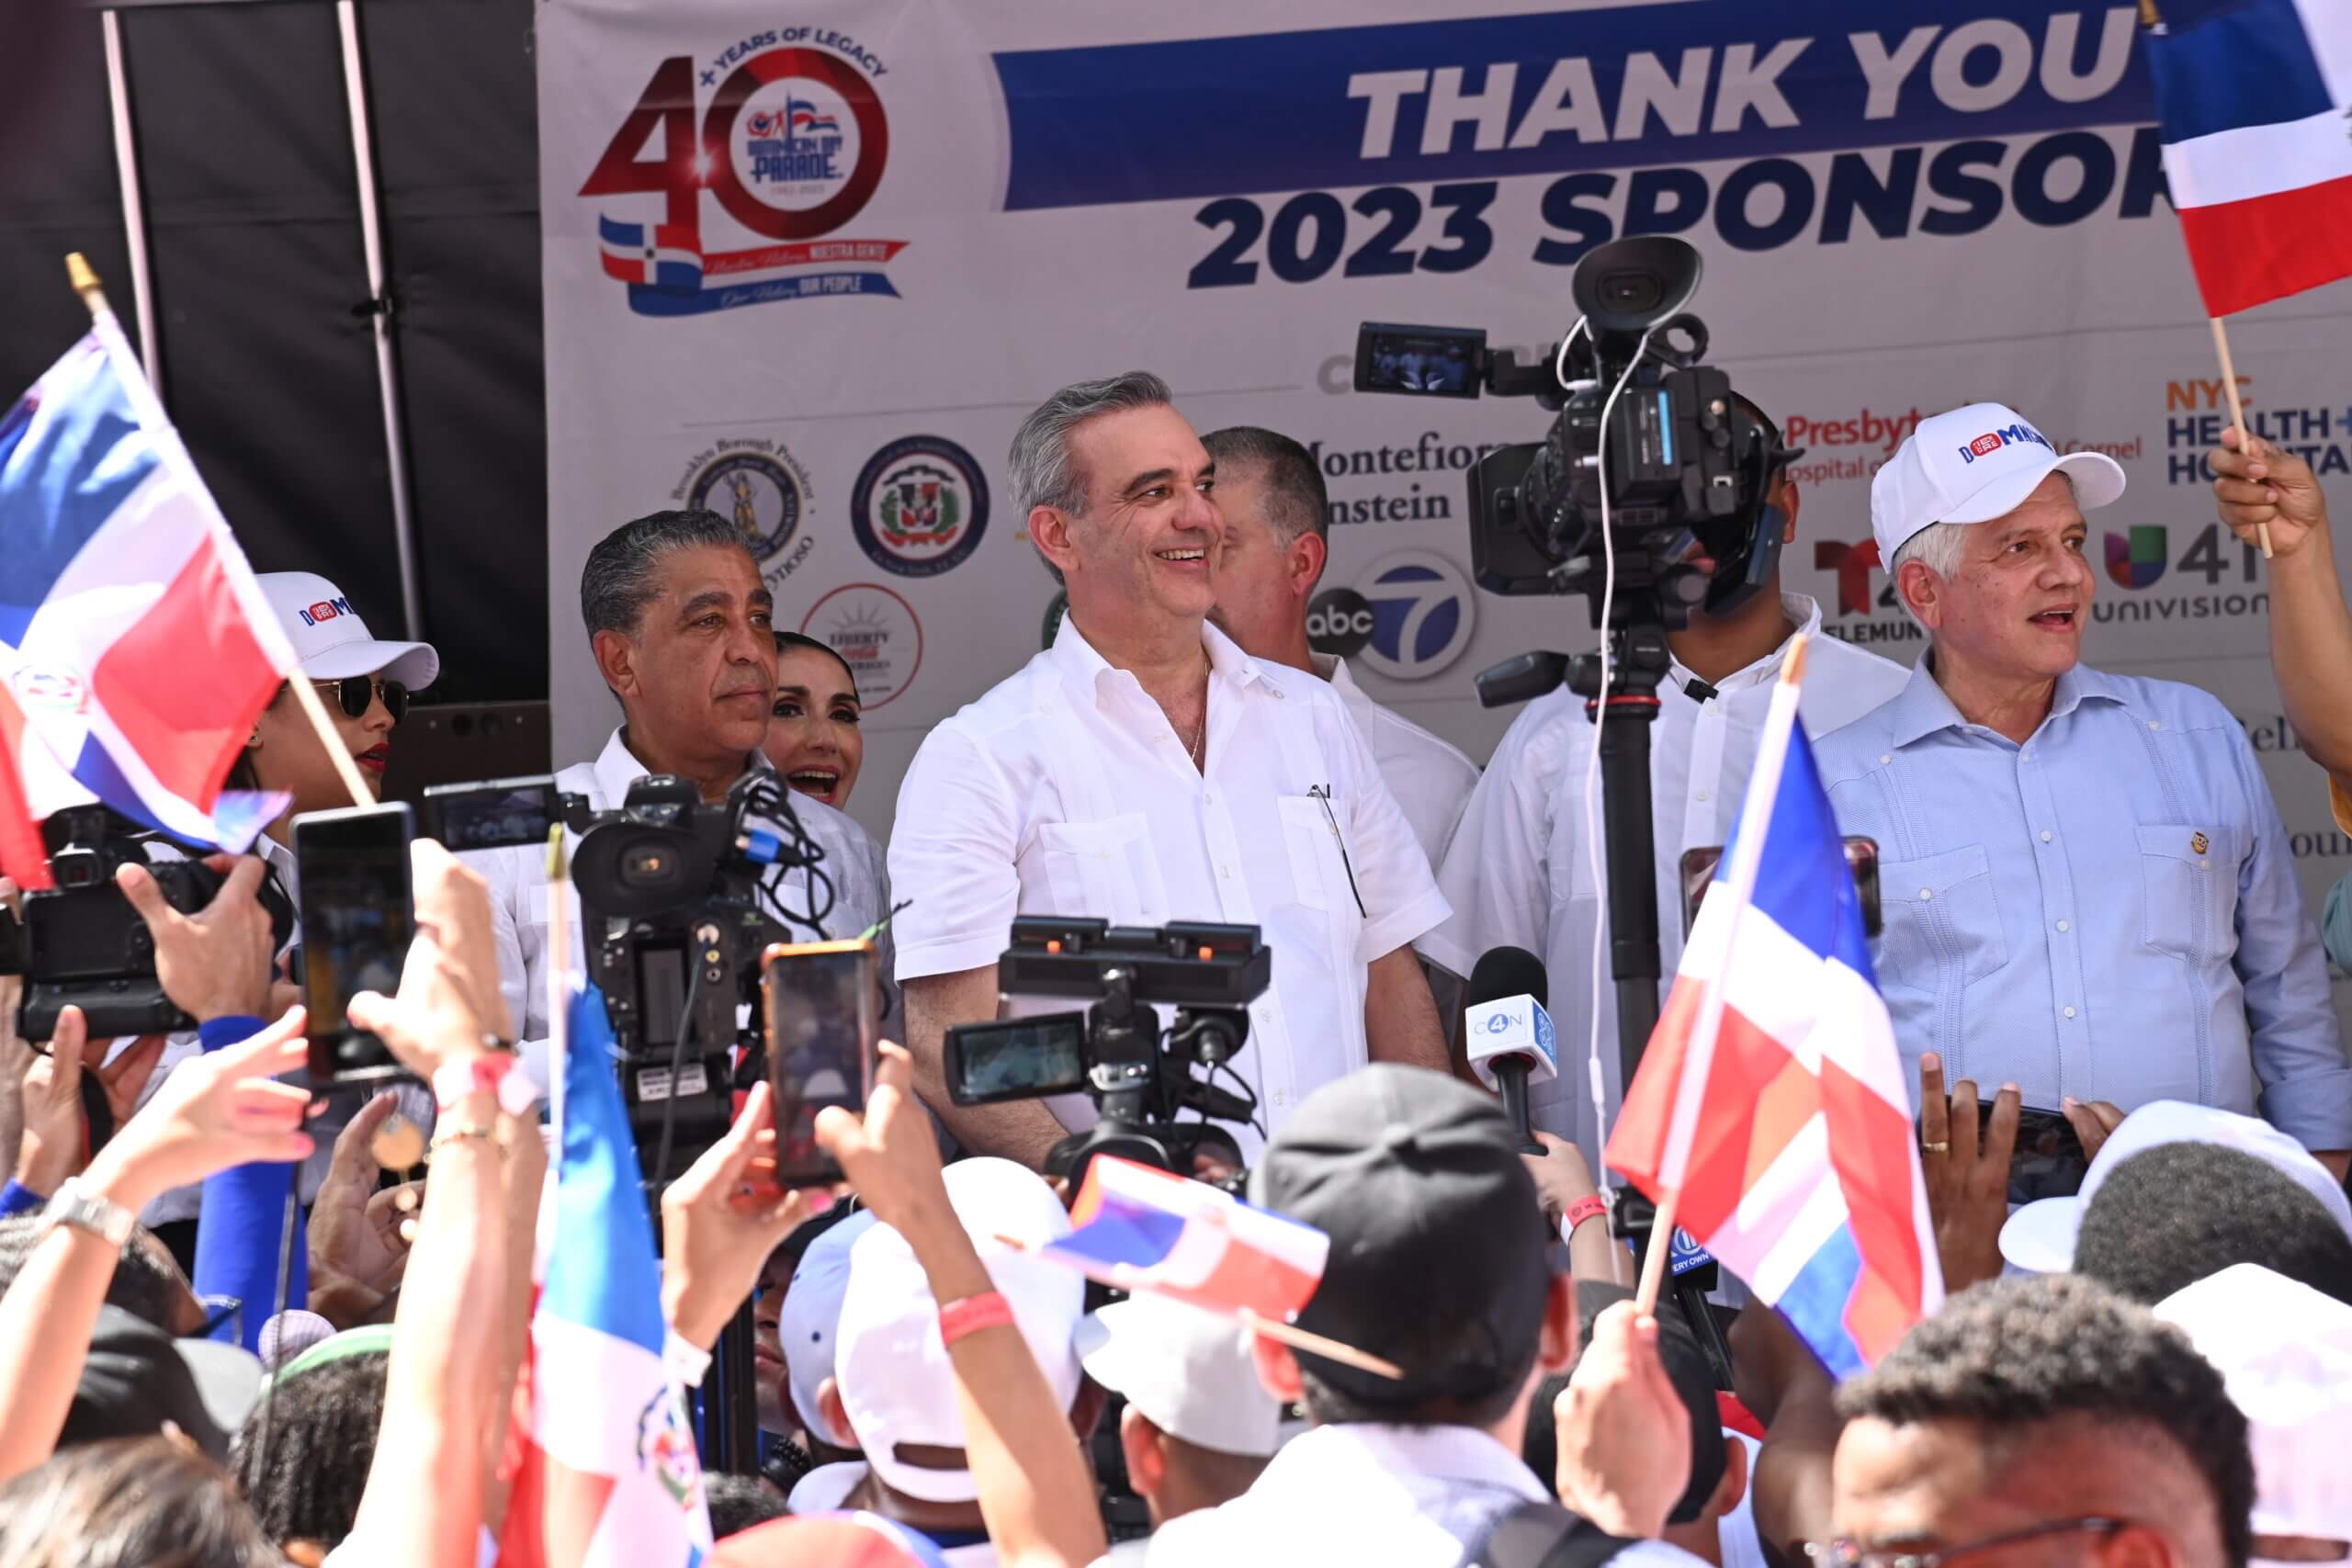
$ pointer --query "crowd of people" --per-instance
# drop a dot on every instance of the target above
(246, 1324)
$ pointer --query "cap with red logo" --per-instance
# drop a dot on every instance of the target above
(1973, 465)
(331, 639)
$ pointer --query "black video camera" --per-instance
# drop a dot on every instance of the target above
(81, 943)
(1138, 1076)
(675, 910)
(1689, 469)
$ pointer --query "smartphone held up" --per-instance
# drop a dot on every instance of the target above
(358, 917)
(823, 1002)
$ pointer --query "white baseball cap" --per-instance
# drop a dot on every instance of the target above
(895, 1380)
(331, 639)
(2285, 1350)
(2040, 1237)
(1973, 465)
(1190, 1371)
(809, 1324)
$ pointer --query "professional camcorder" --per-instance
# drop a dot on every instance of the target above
(1687, 467)
(81, 944)
(676, 907)
(1139, 1076)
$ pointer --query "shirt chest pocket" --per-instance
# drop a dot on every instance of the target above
(1105, 871)
(1940, 922)
(1319, 863)
(2189, 884)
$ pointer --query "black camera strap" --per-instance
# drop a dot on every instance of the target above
(1540, 1535)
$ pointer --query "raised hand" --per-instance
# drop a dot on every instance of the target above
(216, 962)
(719, 1222)
(218, 1111)
(1968, 1185)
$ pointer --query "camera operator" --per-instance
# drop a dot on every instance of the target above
(680, 625)
(1518, 871)
(1277, 541)
(1145, 769)
(2087, 891)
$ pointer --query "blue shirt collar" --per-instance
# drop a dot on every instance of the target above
(1922, 709)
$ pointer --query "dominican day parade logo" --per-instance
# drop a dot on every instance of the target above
(740, 171)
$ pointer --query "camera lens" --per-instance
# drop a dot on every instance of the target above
(644, 867)
(1633, 292)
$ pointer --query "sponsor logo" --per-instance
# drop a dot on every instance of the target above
(1054, 613)
(785, 132)
(758, 485)
(919, 506)
(2138, 559)
(666, 1448)
(1882, 433)
(51, 690)
(1684, 1253)
(1339, 621)
(1853, 564)
(324, 610)
(1423, 612)
(876, 631)
(1992, 441)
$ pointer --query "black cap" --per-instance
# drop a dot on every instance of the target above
(1694, 1379)
(136, 1377)
(1437, 1258)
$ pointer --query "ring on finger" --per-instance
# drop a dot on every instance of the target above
(1940, 1146)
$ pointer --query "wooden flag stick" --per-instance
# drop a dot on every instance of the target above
(559, 967)
(2237, 412)
(1654, 1255)
(85, 280)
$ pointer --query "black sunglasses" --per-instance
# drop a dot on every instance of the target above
(354, 693)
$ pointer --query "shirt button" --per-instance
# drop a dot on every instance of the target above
(1703, 794)
(2070, 1012)
(1884, 758)
(1225, 872)
(2155, 725)
(2062, 925)
(1927, 893)
(2045, 835)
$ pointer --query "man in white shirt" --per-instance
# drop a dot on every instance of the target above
(680, 622)
(1277, 540)
(1144, 769)
(1520, 871)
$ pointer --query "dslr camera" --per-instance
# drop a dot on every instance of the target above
(1139, 1076)
(1688, 468)
(81, 943)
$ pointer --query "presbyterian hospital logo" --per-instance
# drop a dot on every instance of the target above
(736, 177)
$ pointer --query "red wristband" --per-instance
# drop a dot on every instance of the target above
(1583, 1209)
(971, 1314)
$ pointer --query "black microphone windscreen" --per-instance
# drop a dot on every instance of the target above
(1508, 972)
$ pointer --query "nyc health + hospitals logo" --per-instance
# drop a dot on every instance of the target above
(782, 138)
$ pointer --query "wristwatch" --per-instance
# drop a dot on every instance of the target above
(109, 1221)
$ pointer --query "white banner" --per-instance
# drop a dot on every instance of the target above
(810, 266)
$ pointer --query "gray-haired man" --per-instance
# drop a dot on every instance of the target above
(680, 624)
(1144, 769)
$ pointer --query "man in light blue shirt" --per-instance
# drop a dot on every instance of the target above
(2086, 888)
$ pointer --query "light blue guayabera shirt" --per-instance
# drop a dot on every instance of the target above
(2107, 911)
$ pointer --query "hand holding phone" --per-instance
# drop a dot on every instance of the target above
(358, 917)
(824, 1023)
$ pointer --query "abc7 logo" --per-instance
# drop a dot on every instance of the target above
(1339, 621)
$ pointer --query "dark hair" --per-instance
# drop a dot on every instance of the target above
(785, 641)
(322, 1442)
(620, 577)
(738, 1501)
(146, 1283)
(1298, 502)
(2014, 1355)
(130, 1503)
(1687, 1367)
(1040, 463)
(2168, 1216)
(1440, 1331)
(241, 767)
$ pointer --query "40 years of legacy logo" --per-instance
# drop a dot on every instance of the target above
(919, 506)
(876, 631)
(1408, 617)
(791, 144)
(758, 484)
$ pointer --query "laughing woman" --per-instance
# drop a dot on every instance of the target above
(813, 739)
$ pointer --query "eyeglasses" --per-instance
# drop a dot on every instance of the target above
(1844, 1553)
(354, 693)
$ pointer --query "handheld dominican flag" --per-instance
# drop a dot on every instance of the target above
(2254, 96)
(136, 649)
(605, 1472)
(1135, 1228)
(1771, 1097)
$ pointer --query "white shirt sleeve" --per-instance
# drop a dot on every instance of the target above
(1496, 877)
(1400, 896)
(953, 849)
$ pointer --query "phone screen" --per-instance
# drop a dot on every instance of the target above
(493, 816)
(2047, 1161)
(823, 1014)
(358, 915)
(1016, 1058)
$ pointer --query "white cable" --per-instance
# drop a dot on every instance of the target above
(1592, 763)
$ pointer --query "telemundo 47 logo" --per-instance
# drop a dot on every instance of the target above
(1423, 611)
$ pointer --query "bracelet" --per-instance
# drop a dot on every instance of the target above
(1590, 1206)
(466, 1134)
(971, 1314)
(492, 1073)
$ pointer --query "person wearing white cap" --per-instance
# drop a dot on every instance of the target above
(2292, 1380)
(1199, 1427)
(2086, 889)
(893, 1386)
(808, 1328)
